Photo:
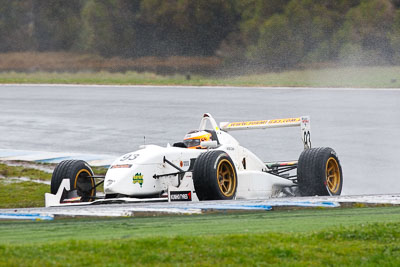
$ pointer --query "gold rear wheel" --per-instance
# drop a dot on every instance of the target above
(333, 180)
(319, 172)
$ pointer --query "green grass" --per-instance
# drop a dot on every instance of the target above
(21, 171)
(357, 236)
(18, 194)
(194, 225)
(375, 77)
(22, 194)
(342, 247)
(33, 172)
(99, 170)
(25, 194)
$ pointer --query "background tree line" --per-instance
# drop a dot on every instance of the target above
(265, 33)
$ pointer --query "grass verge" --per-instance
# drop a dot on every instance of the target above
(374, 77)
(19, 194)
(23, 171)
(25, 194)
(22, 194)
(337, 237)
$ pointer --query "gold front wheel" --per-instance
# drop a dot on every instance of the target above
(214, 176)
(80, 176)
(226, 178)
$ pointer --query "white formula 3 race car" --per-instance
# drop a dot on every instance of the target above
(209, 164)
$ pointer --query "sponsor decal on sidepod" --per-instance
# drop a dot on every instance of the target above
(180, 195)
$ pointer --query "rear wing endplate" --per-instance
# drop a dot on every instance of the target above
(303, 122)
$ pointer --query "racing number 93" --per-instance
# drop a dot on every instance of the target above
(129, 157)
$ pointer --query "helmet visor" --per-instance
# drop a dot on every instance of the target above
(191, 142)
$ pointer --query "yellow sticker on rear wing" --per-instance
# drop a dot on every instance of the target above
(262, 124)
(303, 121)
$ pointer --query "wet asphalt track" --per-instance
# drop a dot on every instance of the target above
(363, 126)
(221, 206)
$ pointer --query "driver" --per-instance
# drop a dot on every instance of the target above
(194, 138)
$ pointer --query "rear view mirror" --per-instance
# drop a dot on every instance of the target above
(209, 144)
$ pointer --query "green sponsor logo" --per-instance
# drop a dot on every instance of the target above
(138, 178)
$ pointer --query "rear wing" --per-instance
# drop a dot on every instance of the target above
(303, 122)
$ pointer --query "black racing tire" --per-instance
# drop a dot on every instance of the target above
(78, 172)
(319, 172)
(214, 176)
